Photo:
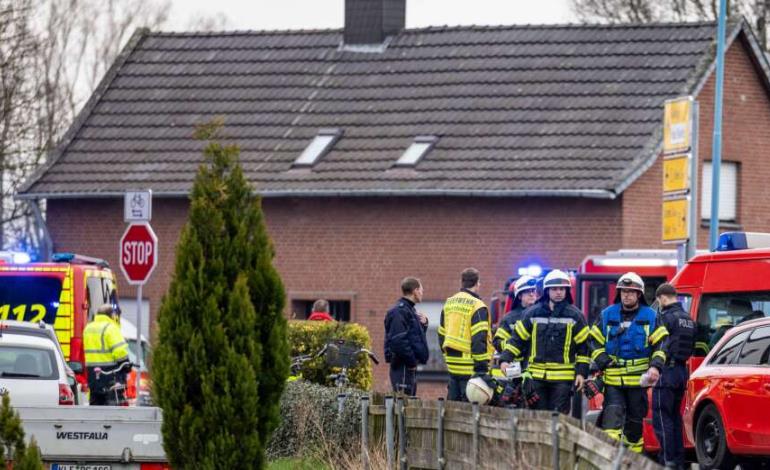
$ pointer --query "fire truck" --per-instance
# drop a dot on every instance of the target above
(64, 293)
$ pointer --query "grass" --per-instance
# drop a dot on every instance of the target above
(297, 464)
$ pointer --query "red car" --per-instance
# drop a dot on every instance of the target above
(727, 408)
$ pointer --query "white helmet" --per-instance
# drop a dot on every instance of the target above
(524, 283)
(556, 278)
(479, 391)
(631, 281)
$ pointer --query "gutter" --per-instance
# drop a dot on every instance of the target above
(581, 193)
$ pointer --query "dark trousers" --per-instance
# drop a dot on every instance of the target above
(404, 379)
(554, 396)
(666, 413)
(456, 388)
(623, 415)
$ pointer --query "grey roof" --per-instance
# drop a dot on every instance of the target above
(519, 110)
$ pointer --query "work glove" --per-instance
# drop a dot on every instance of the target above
(593, 387)
(528, 391)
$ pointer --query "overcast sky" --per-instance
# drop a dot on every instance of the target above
(309, 14)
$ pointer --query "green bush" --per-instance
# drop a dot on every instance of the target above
(310, 424)
(12, 441)
(308, 337)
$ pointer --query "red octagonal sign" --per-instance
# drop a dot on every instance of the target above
(138, 252)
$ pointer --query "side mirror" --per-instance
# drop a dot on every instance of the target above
(77, 367)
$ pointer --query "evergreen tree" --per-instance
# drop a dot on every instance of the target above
(222, 357)
(12, 446)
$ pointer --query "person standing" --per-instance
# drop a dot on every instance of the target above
(626, 343)
(524, 296)
(669, 390)
(405, 341)
(106, 349)
(554, 332)
(465, 336)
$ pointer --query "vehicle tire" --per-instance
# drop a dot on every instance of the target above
(710, 442)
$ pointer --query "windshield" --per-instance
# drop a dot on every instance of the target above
(718, 313)
(27, 363)
(29, 298)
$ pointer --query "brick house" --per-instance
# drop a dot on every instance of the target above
(383, 152)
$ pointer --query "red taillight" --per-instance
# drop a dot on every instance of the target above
(155, 466)
(66, 397)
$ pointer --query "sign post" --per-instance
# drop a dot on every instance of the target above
(138, 257)
(680, 175)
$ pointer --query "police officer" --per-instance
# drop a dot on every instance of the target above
(465, 336)
(668, 392)
(524, 295)
(405, 342)
(626, 343)
(106, 349)
(554, 332)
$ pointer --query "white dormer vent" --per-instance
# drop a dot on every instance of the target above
(318, 147)
(420, 147)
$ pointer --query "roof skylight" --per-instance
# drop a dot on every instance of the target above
(318, 147)
(420, 147)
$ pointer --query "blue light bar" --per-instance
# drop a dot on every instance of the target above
(21, 258)
(534, 270)
(731, 241)
(63, 257)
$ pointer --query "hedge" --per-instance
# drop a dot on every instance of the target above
(308, 337)
(310, 424)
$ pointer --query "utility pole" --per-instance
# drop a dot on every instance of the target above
(716, 151)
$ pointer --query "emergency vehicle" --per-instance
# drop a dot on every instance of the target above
(721, 290)
(64, 293)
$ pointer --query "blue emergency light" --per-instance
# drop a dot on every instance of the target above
(731, 241)
(15, 257)
(534, 270)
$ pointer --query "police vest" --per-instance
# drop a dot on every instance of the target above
(458, 315)
(628, 339)
(682, 333)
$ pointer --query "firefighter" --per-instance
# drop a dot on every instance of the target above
(524, 295)
(626, 343)
(464, 334)
(106, 349)
(554, 332)
(669, 391)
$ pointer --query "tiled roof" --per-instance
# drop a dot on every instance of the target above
(571, 110)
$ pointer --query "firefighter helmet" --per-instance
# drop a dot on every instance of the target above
(630, 281)
(556, 278)
(524, 283)
(478, 391)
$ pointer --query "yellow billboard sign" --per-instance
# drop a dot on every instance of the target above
(675, 226)
(676, 174)
(677, 124)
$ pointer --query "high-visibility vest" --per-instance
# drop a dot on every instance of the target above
(458, 316)
(103, 343)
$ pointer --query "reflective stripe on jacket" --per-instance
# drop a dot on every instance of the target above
(465, 334)
(103, 343)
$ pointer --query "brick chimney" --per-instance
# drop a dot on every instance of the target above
(371, 21)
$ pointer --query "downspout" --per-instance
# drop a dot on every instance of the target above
(46, 244)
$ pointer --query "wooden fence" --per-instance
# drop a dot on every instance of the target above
(451, 435)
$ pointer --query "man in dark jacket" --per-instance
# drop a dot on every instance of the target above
(670, 389)
(405, 342)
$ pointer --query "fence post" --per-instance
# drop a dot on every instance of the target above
(555, 438)
(341, 404)
(402, 463)
(365, 432)
(514, 424)
(619, 457)
(440, 435)
(389, 434)
(475, 448)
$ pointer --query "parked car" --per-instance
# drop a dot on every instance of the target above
(143, 398)
(727, 410)
(32, 366)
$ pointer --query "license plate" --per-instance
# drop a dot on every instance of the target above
(78, 466)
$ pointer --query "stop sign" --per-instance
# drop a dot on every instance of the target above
(138, 252)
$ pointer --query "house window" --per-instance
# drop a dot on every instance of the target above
(728, 192)
(318, 147)
(338, 309)
(419, 148)
(436, 360)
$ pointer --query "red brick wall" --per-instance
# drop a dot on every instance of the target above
(365, 246)
(746, 118)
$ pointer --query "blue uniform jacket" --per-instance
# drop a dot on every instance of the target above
(405, 341)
